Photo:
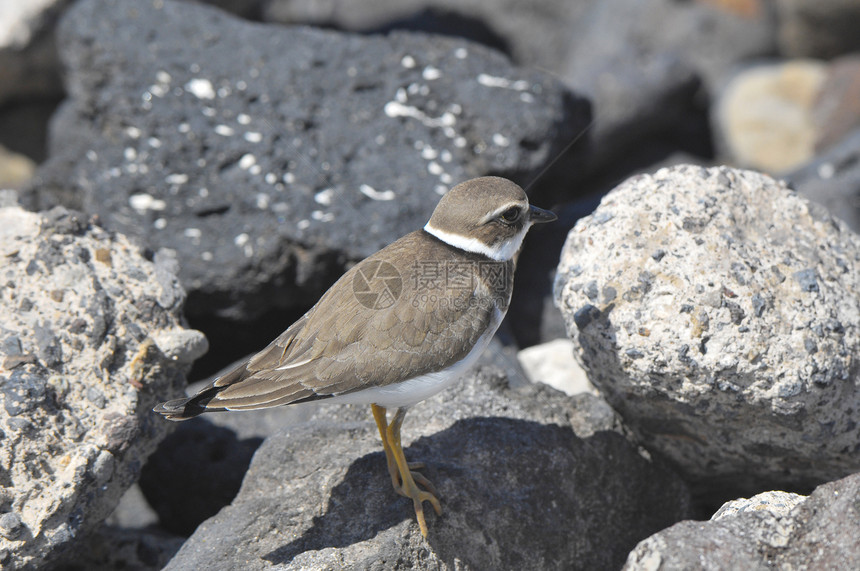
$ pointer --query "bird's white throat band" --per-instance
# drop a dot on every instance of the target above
(501, 253)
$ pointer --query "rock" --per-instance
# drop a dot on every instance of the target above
(110, 548)
(639, 61)
(79, 374)
(718, 313)
(267, 157)
(221, 446)
(822, 29)
(833, 180)
(29, 66)
(764, 117)
(643, 63)
(837, 106)
(552, 363)
(818, 532)
(776, 503)
(779, 116)
(15, 169)
(532, 34)
(510, 466)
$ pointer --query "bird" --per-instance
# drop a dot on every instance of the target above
(398, 327)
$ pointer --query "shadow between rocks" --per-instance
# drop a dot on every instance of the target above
(514, 494)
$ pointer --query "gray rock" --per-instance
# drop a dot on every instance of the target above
(718, 313)
(79, 374)
(269, 157)
(639, 61)
(29, 67)
(111, 548)
(776, 503)
(819, 532)
(527, 477)
(552, 363)
(833, 180)
(822, 29)
(642, 64)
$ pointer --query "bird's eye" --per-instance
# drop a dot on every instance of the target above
(511, 215)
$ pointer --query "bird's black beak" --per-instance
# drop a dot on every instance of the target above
(539, 215)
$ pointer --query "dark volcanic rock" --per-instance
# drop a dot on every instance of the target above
(91, 339)
(821, 532)
(269, 157)
(528, 478)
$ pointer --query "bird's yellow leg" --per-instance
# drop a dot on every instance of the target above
(382, 424)
(408, 487)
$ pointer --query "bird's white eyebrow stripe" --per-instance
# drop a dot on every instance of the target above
(499, 211)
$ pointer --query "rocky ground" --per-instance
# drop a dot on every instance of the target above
(169, 168)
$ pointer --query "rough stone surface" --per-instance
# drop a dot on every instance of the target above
(719, 314)
(819, 532)
(833, 180)
(268, 157)
(552, 363)
(638, 60)
(764, 118)
(79, 373)
(527, 478)
(776, 503)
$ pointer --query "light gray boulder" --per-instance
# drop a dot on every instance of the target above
(719, 314)
(80, 369)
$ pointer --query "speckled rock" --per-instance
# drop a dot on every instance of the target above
(821, 531)
(719, 313)
(527, 478)
(79, 373)
(639, 60)
(776, 503)
(269, 157)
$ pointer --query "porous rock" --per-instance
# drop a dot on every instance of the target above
(527, 477)
(718, 313)
(821, 531)
(79, 374)
(269, 157)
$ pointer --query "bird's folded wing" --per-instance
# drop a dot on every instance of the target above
(350, 346)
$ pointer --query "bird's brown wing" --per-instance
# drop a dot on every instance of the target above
(341, 345)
